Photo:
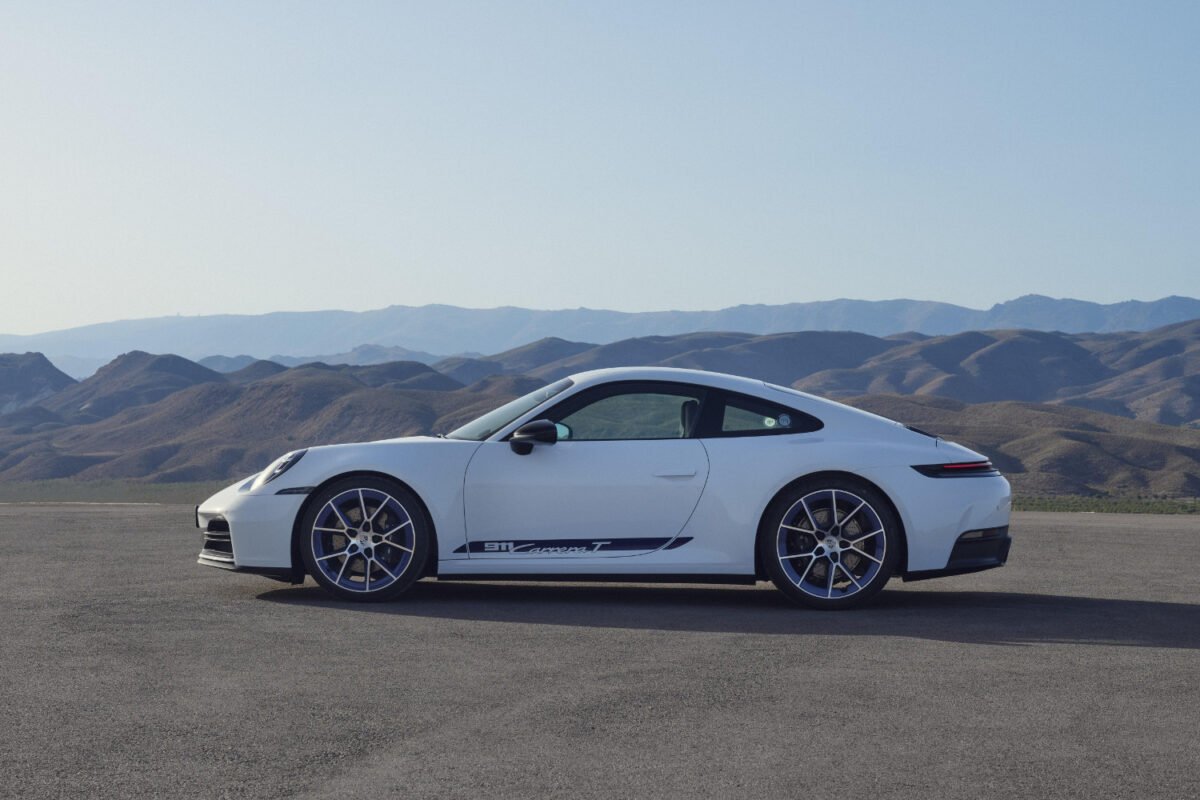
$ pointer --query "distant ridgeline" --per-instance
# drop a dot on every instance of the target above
(413, 333)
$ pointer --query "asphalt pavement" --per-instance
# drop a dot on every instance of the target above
(127, 670)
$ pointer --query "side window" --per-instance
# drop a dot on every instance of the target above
(749, 416)
(653, 413)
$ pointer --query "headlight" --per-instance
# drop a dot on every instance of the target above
(278, 467)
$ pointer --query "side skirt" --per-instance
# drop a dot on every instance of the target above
(745, 580)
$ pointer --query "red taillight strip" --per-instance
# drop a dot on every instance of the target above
(961, 468)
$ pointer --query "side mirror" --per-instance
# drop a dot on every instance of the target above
(540, 431)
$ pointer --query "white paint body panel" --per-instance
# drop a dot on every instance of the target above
(584, 490)
(713, 490)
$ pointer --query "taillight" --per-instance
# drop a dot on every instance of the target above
(961, 469)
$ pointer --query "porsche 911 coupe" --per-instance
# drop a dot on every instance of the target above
(635, 474)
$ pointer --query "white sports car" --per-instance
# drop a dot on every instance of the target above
(635, 474)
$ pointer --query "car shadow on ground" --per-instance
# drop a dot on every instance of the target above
(998, 618)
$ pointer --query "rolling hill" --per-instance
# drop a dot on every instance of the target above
(27, 379)
(132, 379)
(1059, 450)
(1152, 376)
(519, 360)
(221, 429)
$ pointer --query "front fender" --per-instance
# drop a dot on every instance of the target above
(432, 468)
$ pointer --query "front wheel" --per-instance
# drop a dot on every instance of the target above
(830, 543)
(364, 538)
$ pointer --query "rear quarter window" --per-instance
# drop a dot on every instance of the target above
(742, 415)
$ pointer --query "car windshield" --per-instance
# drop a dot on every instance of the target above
(479, 429)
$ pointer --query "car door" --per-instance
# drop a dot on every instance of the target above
(622, 480)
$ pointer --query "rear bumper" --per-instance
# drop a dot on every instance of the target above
(936, 512)
(974, 551)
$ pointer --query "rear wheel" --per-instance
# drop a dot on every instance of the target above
(364, 538)
(830, 543)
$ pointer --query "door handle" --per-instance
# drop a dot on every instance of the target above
(691, 474)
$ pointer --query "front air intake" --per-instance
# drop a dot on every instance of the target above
(217, 544)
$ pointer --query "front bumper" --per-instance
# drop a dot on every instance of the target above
(250, 532)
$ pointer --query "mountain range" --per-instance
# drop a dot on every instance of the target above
(1152, 376)
(446, 330)
(1114, 413)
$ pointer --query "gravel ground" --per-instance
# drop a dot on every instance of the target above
(130, 671)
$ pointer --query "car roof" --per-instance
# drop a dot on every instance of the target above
(822, 407)
(717, 380)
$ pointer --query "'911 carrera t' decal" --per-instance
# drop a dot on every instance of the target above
(570, 547)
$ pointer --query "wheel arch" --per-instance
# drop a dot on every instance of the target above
(901, 564)
(298, 561)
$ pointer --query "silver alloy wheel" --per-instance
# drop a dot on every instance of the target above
(831, 544)
(363, 540)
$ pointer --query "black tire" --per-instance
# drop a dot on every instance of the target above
(835, 575)
(386, 538)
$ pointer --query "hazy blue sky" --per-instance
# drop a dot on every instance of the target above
(170, 157)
